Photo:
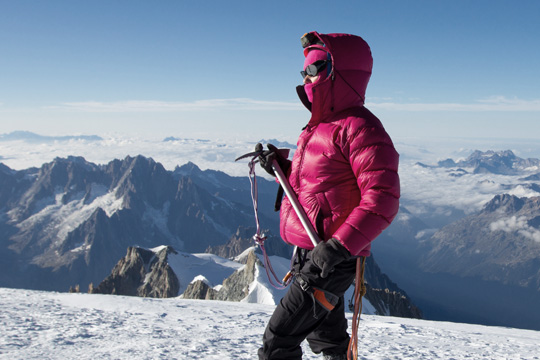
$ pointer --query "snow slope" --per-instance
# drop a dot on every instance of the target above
(207, 267)
(47, 325)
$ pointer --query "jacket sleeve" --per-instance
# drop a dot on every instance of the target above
(374, 162)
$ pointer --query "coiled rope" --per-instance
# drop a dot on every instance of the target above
(359, 292)
(259, 237)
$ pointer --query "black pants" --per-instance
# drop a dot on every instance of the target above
(299, 317)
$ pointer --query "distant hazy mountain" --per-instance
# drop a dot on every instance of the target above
(477, 266)
(277, 143)
(500, 243)
(494, 162)
(32, 137)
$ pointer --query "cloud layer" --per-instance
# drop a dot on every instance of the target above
(176, 106)
(516, 224)
(495, 103)
(424, 189)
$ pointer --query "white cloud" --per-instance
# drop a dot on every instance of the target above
(521, 191)
(218, 154)
(175, 106)
(510, 224)
(494, 103)
(516, 224)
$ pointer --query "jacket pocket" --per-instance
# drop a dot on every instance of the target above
(323, 213)
(319, 224)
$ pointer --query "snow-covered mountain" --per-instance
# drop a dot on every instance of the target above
(164, 272)
(48, 325)
(70, 221)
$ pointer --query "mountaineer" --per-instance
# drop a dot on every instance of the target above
(345, 175)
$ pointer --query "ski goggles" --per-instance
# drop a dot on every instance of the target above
(314, 69)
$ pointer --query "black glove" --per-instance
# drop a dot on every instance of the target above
(327, 255)
(273, 153)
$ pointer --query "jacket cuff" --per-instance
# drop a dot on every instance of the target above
(358, 243)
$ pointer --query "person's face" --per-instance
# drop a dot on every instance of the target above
(311, 79)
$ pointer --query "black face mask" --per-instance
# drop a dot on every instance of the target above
(303, 96)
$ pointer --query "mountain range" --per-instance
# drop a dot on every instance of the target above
(477, 266)
(468, 258)
(70, 221)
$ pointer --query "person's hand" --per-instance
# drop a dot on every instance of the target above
(273, 153)
(326, 255)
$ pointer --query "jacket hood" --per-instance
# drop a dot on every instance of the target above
(345, 88)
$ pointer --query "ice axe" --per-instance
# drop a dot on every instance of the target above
(297, 208)
(295, 203)
(310, 230)
(286, 186)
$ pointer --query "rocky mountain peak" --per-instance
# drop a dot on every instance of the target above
(505, 203)
(188, 169)
(5, 169)
(143, 181)
(142, 273)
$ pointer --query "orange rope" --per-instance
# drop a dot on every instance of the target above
(359, 292)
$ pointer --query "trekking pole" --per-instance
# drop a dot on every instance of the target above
(295, 204)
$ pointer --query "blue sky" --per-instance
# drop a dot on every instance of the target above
(213, 68)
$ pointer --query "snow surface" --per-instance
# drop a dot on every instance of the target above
(213, 270)
(49, 325)
(188, 267)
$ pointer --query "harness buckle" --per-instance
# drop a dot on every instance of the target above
(304, 285)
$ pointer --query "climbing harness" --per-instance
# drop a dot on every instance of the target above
(324, 298)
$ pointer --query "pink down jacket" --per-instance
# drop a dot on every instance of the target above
(344, 170)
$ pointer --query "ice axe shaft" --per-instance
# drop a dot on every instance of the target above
(295, 204)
